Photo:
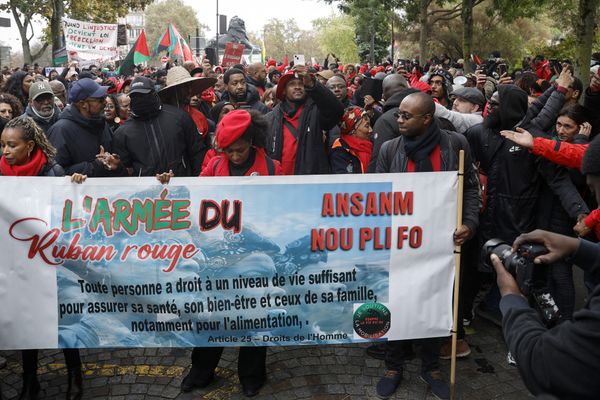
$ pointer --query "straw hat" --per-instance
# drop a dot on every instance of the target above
(178, 76)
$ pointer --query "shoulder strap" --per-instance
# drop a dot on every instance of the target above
(290, 127)
(216, 166)
(270, 166)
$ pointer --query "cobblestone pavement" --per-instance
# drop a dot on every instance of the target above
(341, 372)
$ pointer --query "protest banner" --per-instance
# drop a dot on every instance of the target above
(228, 261)
(233, 54)
(88, 43)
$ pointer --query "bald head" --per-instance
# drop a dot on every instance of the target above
(422, 103)
(415, 114)
(392, 84)
(258, 72)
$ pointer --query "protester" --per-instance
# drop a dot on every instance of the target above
(158, 138)
(41, 107)
(18, 85)
(337, 85)
(10, 107)
(81, 136)
(257, 76)
(296, 124)
(424, 147)
(239, 93)
(467, 108)
(351, 153)
(240, 135)
(27, 152)
(111, 112)
(59, 91)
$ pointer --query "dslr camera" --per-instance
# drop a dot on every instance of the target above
(531, 278)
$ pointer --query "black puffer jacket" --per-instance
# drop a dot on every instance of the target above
(252, 99)
(322, 111)
(515, 176)
(78, 140)
(386, 126)
(169, 141)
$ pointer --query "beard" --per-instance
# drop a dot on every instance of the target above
(492, 120)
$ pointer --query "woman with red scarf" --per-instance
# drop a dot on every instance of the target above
(27, 152)
(351, 153)
(241, 138)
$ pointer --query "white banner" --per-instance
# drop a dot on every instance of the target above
(89, 43)
(228, 261)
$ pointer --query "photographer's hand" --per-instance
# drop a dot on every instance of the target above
(559, 246)
(506, 282)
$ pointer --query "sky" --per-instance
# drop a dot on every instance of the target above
(255, 13)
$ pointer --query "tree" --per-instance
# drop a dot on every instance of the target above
(160, 15)
(24, 13)
(336, 35)
(584, 38)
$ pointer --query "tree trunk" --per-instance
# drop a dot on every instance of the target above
(586, 28)
(424, 32)
(58, 11)
(22, 26)
(467, 40)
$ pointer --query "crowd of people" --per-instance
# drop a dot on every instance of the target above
(524, 135)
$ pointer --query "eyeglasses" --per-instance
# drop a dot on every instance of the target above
(407, 116)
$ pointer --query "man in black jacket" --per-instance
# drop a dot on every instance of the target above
(424, 147)
(562, 361)
(296, 125)
(395, 89)
(81, 136)
(159, 138)
(239, 93)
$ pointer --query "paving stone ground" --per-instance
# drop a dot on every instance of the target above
(334, 372)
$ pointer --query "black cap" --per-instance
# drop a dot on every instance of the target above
(142, 85)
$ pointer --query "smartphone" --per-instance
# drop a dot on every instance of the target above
(299, 59)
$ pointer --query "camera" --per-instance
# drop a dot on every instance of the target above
(532, 279)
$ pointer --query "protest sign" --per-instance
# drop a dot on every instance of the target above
(233, 54)
(226, 261)
(89, 43)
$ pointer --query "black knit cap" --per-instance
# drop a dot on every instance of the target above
(591, 159)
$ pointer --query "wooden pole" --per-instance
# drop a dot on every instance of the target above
(457, 253)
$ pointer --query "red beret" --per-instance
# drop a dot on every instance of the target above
(352, 116)
(283, 81)
(232, 127)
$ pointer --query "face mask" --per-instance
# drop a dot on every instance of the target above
(145, 106)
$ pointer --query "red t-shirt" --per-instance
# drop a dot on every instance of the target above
(290, 143)
(435, 157)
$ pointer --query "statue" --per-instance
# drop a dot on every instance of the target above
(236, 33)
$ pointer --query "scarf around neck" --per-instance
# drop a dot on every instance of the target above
(419, 148)
(362, 148)
(31, 168)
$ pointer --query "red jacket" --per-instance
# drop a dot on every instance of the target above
(562, 153)
(219, 165)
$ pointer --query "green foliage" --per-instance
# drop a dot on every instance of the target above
(336, 35)
(160, 14)
(283, 37)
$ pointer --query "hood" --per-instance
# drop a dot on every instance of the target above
(395, 100)
(513, 105)
(41, 120)
(95, 125)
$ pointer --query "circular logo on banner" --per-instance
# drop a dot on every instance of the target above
(372, 320)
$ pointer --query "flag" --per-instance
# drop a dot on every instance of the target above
(138, 54)
(187, 52)
(165, 43)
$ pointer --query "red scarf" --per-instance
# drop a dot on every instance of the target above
(199, 119)
(32, 168)
(361, 148)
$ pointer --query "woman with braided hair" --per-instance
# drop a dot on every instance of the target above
(27, 152)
